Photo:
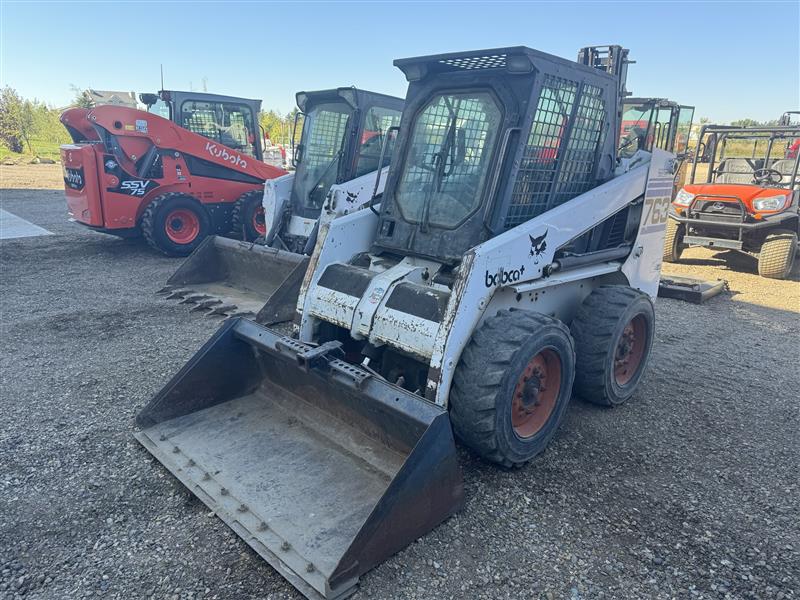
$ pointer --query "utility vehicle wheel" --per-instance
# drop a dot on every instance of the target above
(248, 216)
(777, 255)
(175, 224)
(673, 242)
(512, 386)
(613, 332)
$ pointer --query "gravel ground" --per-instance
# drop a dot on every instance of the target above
(690, 490)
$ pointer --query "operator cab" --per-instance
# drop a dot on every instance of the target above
(228, 120)
(342, 135)
(474, 161)
(649, 123)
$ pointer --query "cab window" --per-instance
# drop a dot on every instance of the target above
(229, 124)
(377, 122)
(446, 167)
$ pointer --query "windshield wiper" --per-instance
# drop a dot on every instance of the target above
(440, 168)
(333, 160)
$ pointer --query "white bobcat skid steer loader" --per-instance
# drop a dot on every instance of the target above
(510, 262)
(341, 147)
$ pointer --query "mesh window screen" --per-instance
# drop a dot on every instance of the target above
(555, 168)
(448, 159)
(199, 117)
(323, 132)
(325, 137)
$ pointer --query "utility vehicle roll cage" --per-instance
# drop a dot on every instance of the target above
(773, 155)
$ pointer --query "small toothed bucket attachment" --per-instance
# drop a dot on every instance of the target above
(229, 278)
(323, 468)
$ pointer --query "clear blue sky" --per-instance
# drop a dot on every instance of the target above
(730, 59)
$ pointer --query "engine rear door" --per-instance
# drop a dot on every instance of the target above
(81, 185)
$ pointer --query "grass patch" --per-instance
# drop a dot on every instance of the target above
(42, 149)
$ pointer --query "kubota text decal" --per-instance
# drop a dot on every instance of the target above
(222, 152)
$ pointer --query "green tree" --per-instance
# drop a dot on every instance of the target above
(82, 98)
(273, 125)
(16, 120)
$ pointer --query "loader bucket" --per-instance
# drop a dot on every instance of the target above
(231, 278)
(324, 469)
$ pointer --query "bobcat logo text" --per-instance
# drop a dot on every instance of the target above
(503, 277)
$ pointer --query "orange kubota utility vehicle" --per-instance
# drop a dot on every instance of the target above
(747, 201)
(189, 166)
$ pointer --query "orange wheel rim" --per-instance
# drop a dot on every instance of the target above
(182, 226)
(630, 350)
(259, 221)
(536, 393)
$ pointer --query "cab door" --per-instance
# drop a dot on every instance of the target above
(436, 204)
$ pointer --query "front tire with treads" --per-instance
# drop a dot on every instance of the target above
(613, 332)
(175, 224)
(512, 386)
(673, 241)
(777, 255)
(248, 216)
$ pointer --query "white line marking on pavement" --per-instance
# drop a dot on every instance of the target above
(12, 226)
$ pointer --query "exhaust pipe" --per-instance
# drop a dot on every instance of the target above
(323, 468)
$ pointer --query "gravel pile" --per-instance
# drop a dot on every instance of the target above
(690, 491)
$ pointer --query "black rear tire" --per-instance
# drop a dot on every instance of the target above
(247, 213)
(175, 224)
(673, 241)
(487, 408)
(777, 255)
(613, 331)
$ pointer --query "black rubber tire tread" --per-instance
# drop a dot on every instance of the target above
(241, 220)
(148, 223)
(479, 378)
(594, 329)
(777, 255)
(673, 241)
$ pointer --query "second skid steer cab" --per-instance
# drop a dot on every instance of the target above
(341, 147)
(512, 263)
(188, 167)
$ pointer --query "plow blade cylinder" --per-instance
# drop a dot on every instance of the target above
(322, 468)
(249, 277)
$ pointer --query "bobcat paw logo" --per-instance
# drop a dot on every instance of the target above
(538, 246)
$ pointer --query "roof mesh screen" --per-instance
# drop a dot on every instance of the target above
(491, 61)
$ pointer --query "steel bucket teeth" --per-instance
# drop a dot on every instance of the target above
(205, 305)
(179, 294)
(259, 281)
(195, 298)
(245, 314)
(222, 311)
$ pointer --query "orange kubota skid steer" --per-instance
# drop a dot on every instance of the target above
(177, 178)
